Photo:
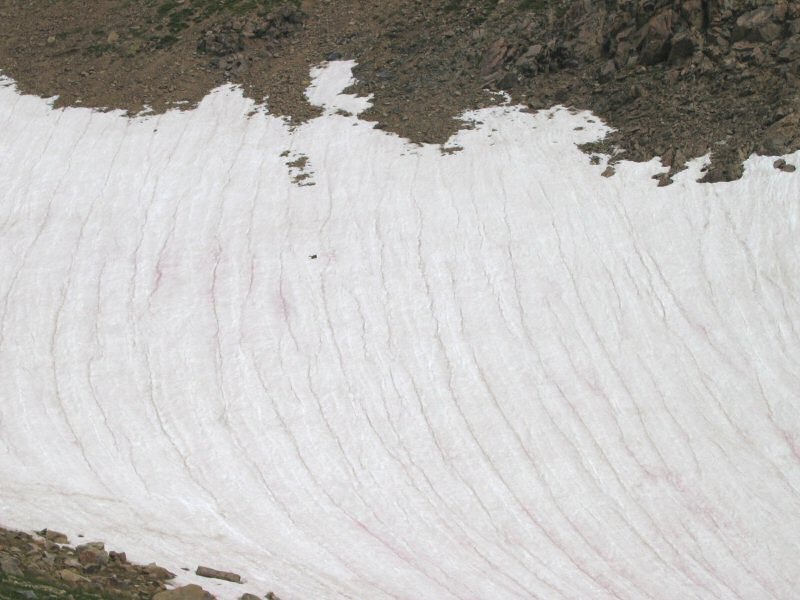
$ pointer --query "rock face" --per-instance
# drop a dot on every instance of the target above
(216, 574)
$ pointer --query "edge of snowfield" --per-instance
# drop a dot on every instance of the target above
(501, 376)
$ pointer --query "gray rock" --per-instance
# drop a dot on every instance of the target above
(783, 136)
(607, 71)
(187, 592)
(782, 165)
(759, 25)
(221, 43)
(790, 50)
(9, 565)
(216, 574)
(691, 11)
(249, 597)
(54, 536)
(92, 555)
(497, 55)
(71, 576)
(656, 39)
(508, 81)
(159, 573)
(684, 45)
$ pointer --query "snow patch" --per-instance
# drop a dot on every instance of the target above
(484, 374)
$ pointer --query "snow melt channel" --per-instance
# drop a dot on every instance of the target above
(408, 374)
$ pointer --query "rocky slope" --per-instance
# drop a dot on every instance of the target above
(44, 566)
(676, 78)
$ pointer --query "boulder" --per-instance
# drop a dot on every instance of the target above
(92, 555)
(71, 576)
(528, 63)
(684, 45)
(782, 165)
(221, 42)
(159, 573)
(508, 81)
(497, 55)
(759, 25)
(54, 536)
(186, 592)
(656, 39)
(9, 565)
(692, 13)
(216, 574)
(607, 71)
(782, 136)
(790, 50)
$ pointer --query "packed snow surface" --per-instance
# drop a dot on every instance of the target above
(502, 377)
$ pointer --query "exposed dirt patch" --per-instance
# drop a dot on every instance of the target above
(677, 78)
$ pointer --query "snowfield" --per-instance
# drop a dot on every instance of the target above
(502, 377)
